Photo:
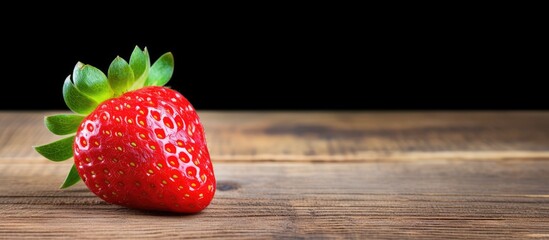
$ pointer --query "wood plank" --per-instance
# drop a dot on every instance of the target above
(423, 199)
(336, 136)
(389, 175)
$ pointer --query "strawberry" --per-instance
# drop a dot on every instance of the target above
(135, 143)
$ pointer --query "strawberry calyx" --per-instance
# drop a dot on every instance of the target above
(89, 86)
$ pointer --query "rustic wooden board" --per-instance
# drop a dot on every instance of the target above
(364, 175)
(336, 136)
(420, 199)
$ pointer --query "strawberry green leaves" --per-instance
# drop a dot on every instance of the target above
(57, 151)
(91, 82)
(63, 124)
(61, 150)
(72, 178)
(120, 76)
(88, 86)
(75, 100)
(161, 71)
(140, 64)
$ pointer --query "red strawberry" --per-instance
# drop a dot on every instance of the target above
(143, 146)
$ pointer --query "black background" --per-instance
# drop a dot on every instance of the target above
(295, 60)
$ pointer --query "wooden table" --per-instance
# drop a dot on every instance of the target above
(312, 175)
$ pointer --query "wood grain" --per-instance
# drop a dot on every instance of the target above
(335, 175)
(336, 136)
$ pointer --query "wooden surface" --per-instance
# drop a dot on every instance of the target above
(357, 175)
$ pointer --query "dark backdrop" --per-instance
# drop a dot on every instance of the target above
(296, 62)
